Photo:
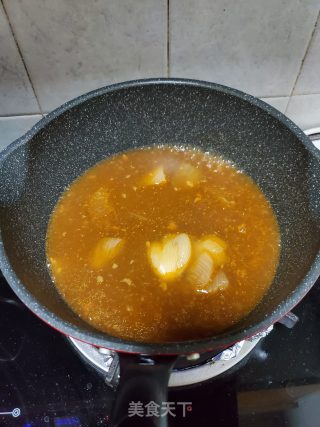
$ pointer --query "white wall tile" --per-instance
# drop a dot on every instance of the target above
(13, 127)
(71, 47)
(278, 103)
(304, 110)
(254, 45)
(16, 94)
(309, 79)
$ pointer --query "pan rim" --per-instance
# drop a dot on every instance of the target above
(103, 340)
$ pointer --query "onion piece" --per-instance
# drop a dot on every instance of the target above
(219, 283)
(216, 247)
(186, 176)
(155, 177)
(105, 251)
(170, 257)
(200, 271)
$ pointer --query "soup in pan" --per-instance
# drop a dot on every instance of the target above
(163, 244)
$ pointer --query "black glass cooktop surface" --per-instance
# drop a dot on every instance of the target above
(43, 382)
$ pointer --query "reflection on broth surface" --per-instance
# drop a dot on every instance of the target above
(162, 244)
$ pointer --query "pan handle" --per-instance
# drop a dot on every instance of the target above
(143, 381)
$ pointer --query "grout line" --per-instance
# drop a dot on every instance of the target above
(303, 59)
(9, 116)
(168, 38)
(21, 56)
(270, 96)
(287, 103)
(284, 96)
(304, 94)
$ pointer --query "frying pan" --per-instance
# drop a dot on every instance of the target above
(266, 145)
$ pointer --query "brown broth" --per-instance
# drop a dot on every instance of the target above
(125, 297)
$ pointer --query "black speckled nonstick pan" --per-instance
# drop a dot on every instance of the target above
(35, 170)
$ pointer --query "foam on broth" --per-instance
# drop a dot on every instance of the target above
(132, 207)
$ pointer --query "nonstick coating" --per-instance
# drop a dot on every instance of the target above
(266, 145)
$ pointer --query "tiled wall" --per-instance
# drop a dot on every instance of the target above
(54, 50)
